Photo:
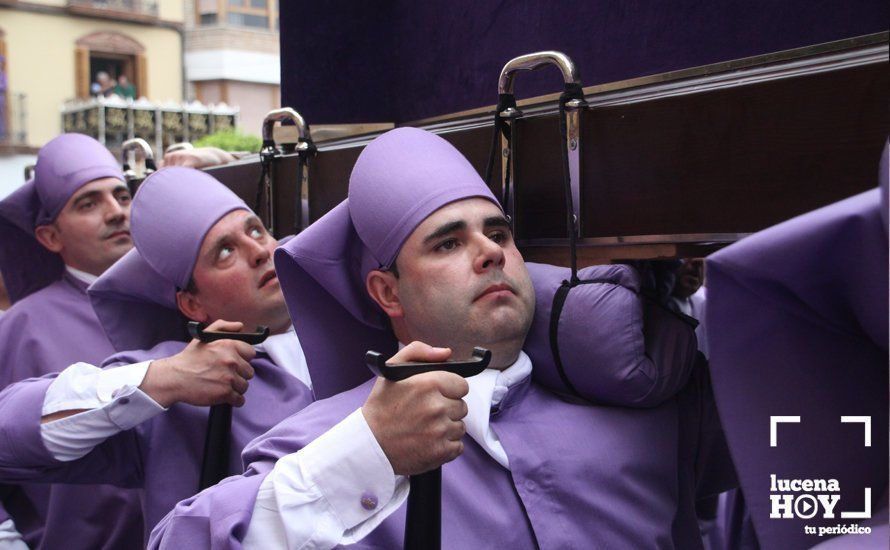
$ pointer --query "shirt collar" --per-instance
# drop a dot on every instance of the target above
(285, 351)
(509, 377)
(81, 276)
(487, 390)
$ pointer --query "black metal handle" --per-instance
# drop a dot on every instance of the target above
(199, 331)
(218, 439)
(423, 519)
(423, 522)
(395, 372)
(217, 444)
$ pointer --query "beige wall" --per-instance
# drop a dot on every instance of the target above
(43, 68)
(221, 38)
(255, 100)
(171, 10)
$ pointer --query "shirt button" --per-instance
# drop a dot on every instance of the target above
(369, 501)
(529, 485)
(124, 400)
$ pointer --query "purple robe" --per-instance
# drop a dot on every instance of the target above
(134, 301)
(580, 477)
(50, 326)
(136, 305)
(798, 327)
(161, 456)
(43, 333)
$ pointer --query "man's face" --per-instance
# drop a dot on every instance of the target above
(690, 276)
(462, 282)
(93, 229)
(235, 277)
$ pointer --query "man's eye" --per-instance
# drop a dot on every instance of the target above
(124, 199)
(450, 244)
(256, 232)
(86, 205)
(225, 252)
(499, 237)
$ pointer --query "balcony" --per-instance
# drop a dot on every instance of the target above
(113, 120)
(130, 10)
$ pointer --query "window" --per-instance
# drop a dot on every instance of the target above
(249, 13)
(257, 14)
(207, 12)
(115, 55)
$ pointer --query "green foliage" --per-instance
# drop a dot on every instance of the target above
(231, 140)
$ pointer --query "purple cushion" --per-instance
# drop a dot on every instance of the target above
(615, 346)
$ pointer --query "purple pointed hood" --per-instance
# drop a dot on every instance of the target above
(172, 212)
(798, 327)
(399, 179)
(64, 165)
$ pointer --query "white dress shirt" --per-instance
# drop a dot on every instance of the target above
(340, 487)
(694, 306)
(114, 402)
(10, 538)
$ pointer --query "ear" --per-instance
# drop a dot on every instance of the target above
(48, 236)
(383, 287)
(190, 306)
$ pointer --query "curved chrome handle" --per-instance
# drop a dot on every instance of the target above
(181, 146)
(138, 145)
(536, 60)
(280, 115)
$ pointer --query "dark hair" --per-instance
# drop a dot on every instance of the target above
(192, 287)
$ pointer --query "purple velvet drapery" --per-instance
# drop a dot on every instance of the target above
(346, 61)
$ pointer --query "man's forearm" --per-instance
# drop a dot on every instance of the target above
(86, 405)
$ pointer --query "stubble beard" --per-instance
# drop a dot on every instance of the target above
(501, 332)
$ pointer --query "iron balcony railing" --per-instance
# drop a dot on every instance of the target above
(113, 120)
(131, 7)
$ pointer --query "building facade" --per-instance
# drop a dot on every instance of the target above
(232, 56)
(53, 50)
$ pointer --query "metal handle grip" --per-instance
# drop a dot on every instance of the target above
(199, 331)
(395, 372)
(281, 115)
(423, 523)
(218, 438)
(536, 60)
(138, 145)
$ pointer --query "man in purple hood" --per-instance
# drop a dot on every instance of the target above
(421, 252)
(58, 232)
(200, 254)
